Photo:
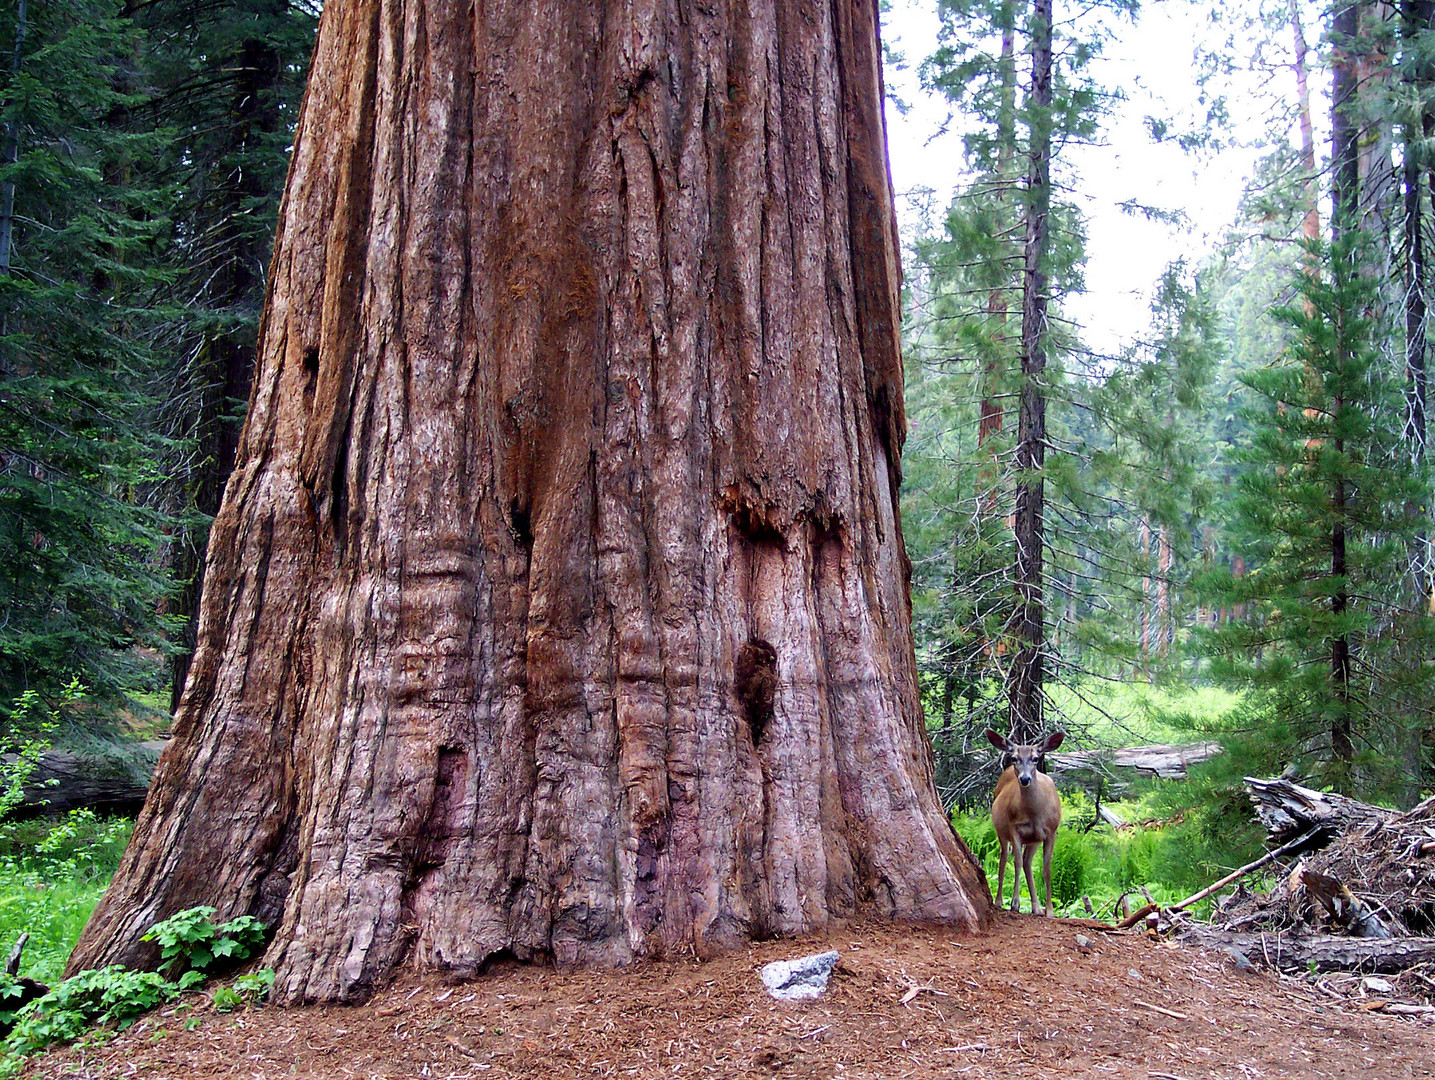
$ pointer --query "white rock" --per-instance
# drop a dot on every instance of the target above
(805, 977)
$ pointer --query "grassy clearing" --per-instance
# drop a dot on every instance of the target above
(1136, 713)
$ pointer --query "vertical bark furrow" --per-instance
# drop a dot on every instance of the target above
(590, 384)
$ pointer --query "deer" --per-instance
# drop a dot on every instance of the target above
(1025, 812)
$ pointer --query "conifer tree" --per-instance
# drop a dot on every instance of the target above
(1010, 250)
(1145, 461)
(84, 232)
(1328, 644)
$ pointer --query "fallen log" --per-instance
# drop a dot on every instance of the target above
(1165, 760)
(1312, 952)
(1268, 857)
(1136, 916)
(66, 780)
(1288, 810)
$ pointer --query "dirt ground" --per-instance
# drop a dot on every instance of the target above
(1027, 999)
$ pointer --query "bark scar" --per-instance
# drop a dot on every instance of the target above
(755, 679)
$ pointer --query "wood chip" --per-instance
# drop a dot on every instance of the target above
(914, 991)
(1164, 1012)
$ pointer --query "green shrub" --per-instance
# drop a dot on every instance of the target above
(976, 829)
(189, 940)
(105, 995)
(11, 991)
(52, 873)
(52, 912)
(255, 986)
(1068, 868)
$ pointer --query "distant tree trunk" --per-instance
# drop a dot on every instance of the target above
(1310, 223)
(990, 417)
(224, 363)
(1345, 184)
(1143, 637)
(1027, 675)
(1417, 18)
(1375, 141)
(1165, 568)
(557, 605)
(12, 149)
(1238, 571)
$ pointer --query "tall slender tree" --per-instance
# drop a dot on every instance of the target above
(1330, 642)
(1345, 125)
(1009, 247)
(1027, 677)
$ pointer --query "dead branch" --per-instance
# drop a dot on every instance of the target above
(1269, 856)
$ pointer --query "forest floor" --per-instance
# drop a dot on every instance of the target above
(1026, 999)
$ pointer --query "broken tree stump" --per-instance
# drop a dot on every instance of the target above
(1287, 810)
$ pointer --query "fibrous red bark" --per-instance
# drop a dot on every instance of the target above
(579, 389)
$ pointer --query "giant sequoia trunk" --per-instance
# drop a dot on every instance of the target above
(557, 605)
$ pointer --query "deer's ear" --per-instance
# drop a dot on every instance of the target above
(1052, 741)
(999, 741)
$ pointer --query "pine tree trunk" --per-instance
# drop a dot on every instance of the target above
(1027, 676)
(1143, 633)
(1375, 147)
(989, 423)
(1165, 568)
(557, 604)
(1310, 223)
(1417, 18)
(1345, 185)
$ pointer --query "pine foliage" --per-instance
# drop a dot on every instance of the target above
(79, 580)
(1325, 459)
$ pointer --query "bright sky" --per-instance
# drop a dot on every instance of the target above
(1153, 61)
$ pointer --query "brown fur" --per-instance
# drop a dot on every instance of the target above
(1025, 816)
